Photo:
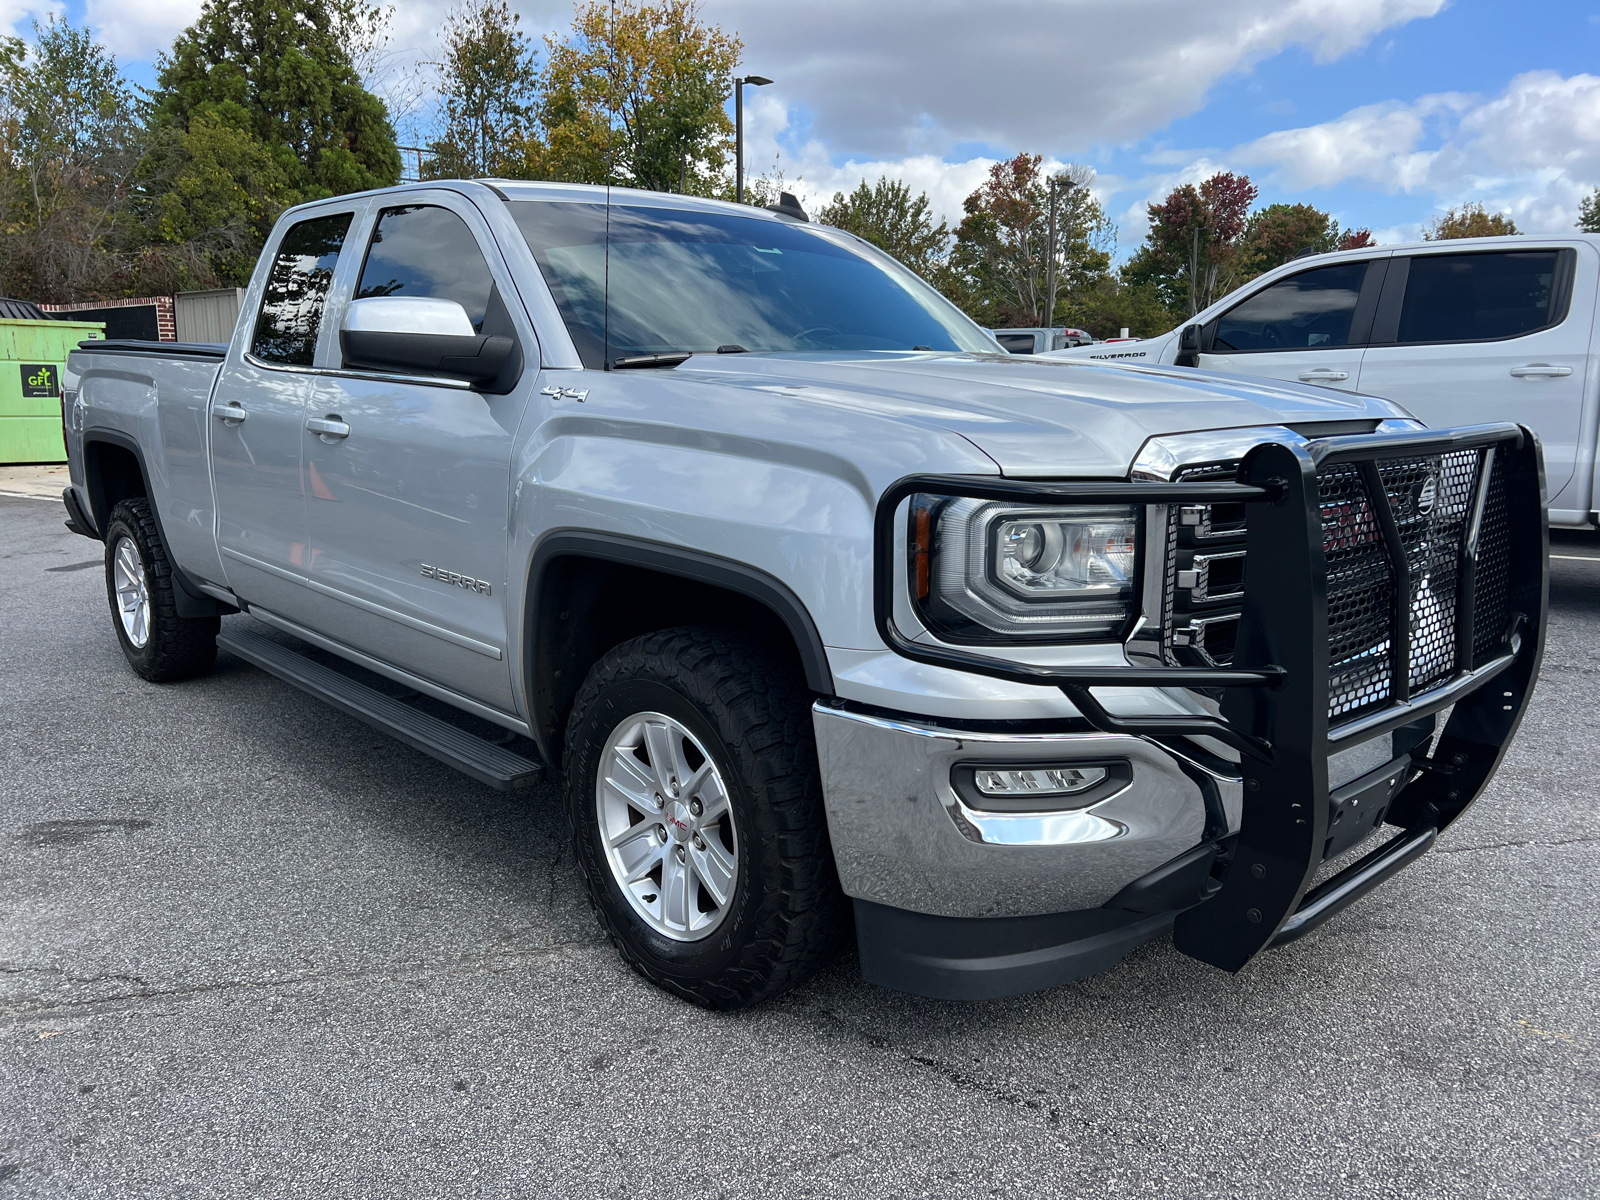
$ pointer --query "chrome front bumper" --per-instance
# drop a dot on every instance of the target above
(904, 838)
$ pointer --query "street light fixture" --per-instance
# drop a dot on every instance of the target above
(738, 130)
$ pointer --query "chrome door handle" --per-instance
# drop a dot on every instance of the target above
(232, 413)
(1540, 371)
(330, 429)
(1323, 375)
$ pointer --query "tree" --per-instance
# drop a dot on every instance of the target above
(1001, 264)
(634, 95)
(1471, 220)
(212, 194)
(1357, 239)
(1111, 305)
(71, 143)
(487, 85)
(1589, 212)
(282, 72)
(1191, 251)
(885, 214)
(1279, 232)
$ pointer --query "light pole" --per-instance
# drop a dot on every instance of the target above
(1055, 182)
(738, 130)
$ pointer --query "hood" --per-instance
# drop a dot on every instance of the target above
(1039, 417)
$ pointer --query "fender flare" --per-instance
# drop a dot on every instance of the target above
(731, 576)
(188, 599)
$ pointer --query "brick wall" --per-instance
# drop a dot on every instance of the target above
(166, 321)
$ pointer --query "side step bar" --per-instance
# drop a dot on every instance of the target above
(466, 752)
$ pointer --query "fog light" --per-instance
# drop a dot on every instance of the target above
(1046, 781)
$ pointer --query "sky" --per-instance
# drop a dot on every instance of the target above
(1383, 112)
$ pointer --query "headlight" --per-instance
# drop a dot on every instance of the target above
(989, 571)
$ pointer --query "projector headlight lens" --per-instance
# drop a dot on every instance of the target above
(986, 571)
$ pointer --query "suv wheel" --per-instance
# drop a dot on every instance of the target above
(158, 643)
(697, 817)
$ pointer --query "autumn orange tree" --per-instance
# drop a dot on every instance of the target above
(1470, 220)
(1191, 253)
(1279, 233)
(634, 95)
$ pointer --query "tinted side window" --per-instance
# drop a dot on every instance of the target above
(425, 250)
(1305, 311)
(297, 290)
(1017, 343)
(1477, 297)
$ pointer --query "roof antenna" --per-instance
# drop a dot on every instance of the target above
(788, 206)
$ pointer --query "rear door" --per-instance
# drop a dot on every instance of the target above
(1308, 327)
(408, 500)
(257, 420)
(1489, 335)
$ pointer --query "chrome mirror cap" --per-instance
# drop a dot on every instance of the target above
(408, 314)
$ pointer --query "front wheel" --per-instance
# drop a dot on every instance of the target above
(697, 817)
(158, 643)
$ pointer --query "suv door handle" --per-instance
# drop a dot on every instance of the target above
(233, 413)
(330, 429)
(1540, 371)
(1323, 375)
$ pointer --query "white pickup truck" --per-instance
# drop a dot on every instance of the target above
(1456, 332)
(826, 609)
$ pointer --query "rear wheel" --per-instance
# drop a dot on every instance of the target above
(158, 643)
(697, 816)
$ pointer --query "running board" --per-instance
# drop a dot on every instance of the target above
(455, 747)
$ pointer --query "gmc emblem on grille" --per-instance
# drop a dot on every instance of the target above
(481, 586)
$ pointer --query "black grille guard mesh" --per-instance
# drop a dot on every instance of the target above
(1387, 577)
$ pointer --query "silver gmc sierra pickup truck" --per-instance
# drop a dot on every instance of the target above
(829, 612)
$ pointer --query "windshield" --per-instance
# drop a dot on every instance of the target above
(704, 281)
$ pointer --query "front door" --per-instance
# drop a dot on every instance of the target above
(1305, 328)
(408, 480)
(258, 422)
(1490, 336)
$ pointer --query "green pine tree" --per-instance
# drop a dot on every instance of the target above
(282, 72)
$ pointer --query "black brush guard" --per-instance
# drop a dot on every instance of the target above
(1275, 710)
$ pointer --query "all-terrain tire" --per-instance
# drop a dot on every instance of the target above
(750, 710)
(175, 647)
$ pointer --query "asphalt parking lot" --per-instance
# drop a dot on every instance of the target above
(250, 947)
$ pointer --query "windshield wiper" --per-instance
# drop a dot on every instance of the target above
(671, 358)
(732, 348)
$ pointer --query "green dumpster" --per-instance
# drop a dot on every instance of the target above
(32, 354)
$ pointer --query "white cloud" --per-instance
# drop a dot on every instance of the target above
(894, 78)
(17, 16)
(812, 175)
(899, 77)
(138, 29)
(1533, 151)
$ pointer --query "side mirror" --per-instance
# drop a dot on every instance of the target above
(1188, 347)
(417, 335)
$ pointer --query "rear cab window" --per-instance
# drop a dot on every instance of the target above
(1481, 297)
(296, 291)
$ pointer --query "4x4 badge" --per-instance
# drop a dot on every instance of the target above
(481, 586)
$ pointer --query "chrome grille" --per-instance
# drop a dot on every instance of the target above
(1201, 620)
